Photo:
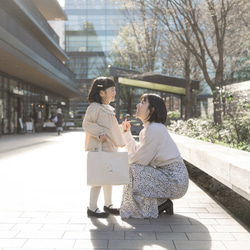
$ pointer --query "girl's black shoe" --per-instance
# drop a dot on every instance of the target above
(111, 210)
(166, 206)
(97, 214)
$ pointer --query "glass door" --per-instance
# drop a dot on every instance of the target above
(16, 119)
(13, 115)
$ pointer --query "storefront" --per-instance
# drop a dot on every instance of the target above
(21, 102)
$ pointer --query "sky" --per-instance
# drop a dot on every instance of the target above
(61, 2)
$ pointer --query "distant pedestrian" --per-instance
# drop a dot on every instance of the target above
(58, 121)
(101, 125)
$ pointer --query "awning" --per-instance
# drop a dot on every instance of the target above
(152, 81)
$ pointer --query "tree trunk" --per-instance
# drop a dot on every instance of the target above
(217, 107)
(195, 94)
(130, 101)
(188, 104)
(218, 85)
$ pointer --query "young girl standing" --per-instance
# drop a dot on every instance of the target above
(100, 125)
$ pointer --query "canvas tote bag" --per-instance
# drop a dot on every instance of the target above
(107, 168)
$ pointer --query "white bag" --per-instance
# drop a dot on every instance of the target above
(107, 168)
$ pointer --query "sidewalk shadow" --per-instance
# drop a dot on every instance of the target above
(165, 232)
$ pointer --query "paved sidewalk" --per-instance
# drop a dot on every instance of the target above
(43, 200)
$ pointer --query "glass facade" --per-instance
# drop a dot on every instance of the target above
(21, 102)
(91, 27)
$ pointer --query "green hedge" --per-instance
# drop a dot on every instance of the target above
(234, 133)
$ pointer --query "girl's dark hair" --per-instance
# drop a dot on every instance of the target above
(98, 84)
(157, 107)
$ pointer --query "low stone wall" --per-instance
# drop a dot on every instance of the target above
(227, 165)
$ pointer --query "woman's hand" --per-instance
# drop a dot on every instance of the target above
(126, 125)
(103, 138)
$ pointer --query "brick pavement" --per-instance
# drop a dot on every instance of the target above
(43, 206)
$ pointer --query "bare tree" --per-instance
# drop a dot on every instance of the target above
(125, 51)
(137, 45)
(143, 45)
(179, 62)
(211, 23)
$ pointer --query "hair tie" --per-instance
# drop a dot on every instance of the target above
(100, 86)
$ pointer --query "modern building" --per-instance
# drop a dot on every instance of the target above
(34, 78)
(89, 31)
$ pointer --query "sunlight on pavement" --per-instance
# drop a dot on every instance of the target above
(42, 176)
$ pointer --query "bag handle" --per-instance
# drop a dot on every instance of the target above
(110, 142)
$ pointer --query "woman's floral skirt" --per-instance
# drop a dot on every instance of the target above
(149, 187)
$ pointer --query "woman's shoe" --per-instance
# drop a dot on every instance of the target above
(97, 213)
(111, 210)
(166, 206)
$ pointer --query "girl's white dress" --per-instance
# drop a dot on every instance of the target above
(100, 119)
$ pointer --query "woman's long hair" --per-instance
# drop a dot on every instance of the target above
(157, 107)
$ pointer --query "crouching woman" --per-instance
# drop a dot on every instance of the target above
(157, 171)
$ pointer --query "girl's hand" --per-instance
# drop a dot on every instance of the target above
(103, 138)
(126, 125)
